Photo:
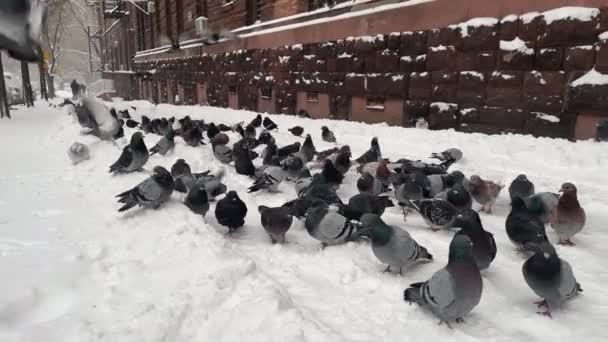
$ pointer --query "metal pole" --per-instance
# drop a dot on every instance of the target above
(90, 51)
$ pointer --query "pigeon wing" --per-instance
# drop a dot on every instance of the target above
(148, 191)
(438, 292)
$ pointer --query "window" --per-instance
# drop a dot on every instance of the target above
(267, 93)
(312, 97)
(232, 90)
(375, 103)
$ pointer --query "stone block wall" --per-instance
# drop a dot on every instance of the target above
(533, 73)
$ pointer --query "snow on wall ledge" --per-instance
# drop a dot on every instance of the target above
(503, 72)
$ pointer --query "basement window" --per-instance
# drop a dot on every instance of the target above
(232, 90)
(267, 93)
(375, 103)
(312, 97)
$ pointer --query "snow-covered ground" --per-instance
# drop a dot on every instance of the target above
(74, 269)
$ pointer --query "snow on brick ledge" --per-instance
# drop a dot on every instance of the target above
(475, 22)
(593, 77)
(547, 117)
(516, 45)
(603, 36)
(574, 13)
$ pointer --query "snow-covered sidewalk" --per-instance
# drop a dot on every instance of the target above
(74, 269)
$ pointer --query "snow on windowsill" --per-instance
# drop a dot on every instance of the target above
(593, 77)
(475, 22)
(547, 117)
(568, 12)
(516, 45)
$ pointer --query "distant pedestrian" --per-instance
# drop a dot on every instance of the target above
(75, 90)
(83, 90)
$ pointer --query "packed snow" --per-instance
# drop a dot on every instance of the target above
(74, 269)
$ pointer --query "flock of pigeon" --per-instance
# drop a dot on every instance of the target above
(444, 200)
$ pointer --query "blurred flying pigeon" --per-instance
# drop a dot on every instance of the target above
(164, 145)
(392, 245)
(372, 155)
(242, 161)
(542, 204)
(365, 203)
(484, 192)
(453, 291)
(133, 157)
(230, 212)
(257, 122)
(521, 187)
(276, 222)
(197, 200)
(325, 224)
(150, 193)
(269, 125)
(78, 153)
(132, 123)
(296, 130)
(99, 119)
(451, 153)
(327, 135)
(20, 31)
(308, 149)
(438, 214)
(269, 179)
(568, 218)
(326, 153)
(288, 149)
(550, 277)
(524, 229)
(212, 131)
(484, 246)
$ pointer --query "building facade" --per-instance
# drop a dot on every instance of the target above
(505, 66)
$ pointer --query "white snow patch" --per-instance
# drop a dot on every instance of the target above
(442, 48)
(397, 78)
(444, 106)
(603, 36)
(475, 22)
(529, 17)
(284, 59)
(516, 45)
(421, 58)
(310, 57)
(475, 74)
(570, 12)
(406, 58)
(467, 111)
(394, 34)
(504, 76)
(547, 117)
(345, 55)
(509, 18)
(593, 77)
(297, 47)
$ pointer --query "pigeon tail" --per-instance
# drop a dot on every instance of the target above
(412, 293)
(127, 206)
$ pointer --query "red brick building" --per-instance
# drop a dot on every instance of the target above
(390, 61)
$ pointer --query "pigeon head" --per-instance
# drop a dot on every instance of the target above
(568, 188)
(475, 180)
(375, 229)
(324, 129)
(145, 119)
(522, 178)
(265, 138)
(232, 196)
(454, 178)
(180, 168)
(374, 144)
(468, 219)
(262, 209)
(345, 149)
(544, 263)
(162, 176)
(461, 248)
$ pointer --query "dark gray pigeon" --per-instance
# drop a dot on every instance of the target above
(327, 135)
(164, 145)
(453, 291)
(550, 277)
(133, 157)
(296, 130)
(406, 192)
(269, 125)
(242, 160)
(288, 149)
(293, 166)
(231, 211)
(438, 214)
(524, 229)
(276, 222)
(459, 197)
(521, 187)
(366, 203)
(449, 154)
(308, 149)
(369, 184)
(392, 245)
(325, 224)
(197, 200)
(484, 246)
(372, 155)
(222, 153)
(150, 193)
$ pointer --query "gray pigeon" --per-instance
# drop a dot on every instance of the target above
(372, 155)
(550, 277)
(453, 291)
(213, 186)
(150, 193)
(449, 154)
(165, 144)
(327, 135)
(568, 217)
(325, 224)
(133, 157)
(78, 153)
(276, 222)
(392, 245)
(303, 181)
(524, 229)
(308, 149)
(521, 187)
(197, 200)
(269, 179)
(222, 153)
(484, 246)
(406, 192)
(366, 203)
